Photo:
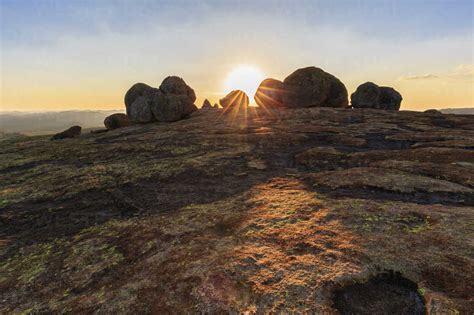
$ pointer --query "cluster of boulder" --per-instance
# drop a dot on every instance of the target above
(172, 101)
(313, 87)
(306, 87)
(370, 95)
(207, 105)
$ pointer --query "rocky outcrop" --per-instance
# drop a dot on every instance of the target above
(176, 86)
(270, 93)
(171, 107)
(137, 90)
(140, 110)
(313, 87)
(72, 132)
(236, 99)
(116, 121)
(216, 106)
(206, 104)
(173, 101)
(370, 95)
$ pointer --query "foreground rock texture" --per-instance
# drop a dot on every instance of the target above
(259, 211)
(370, 95)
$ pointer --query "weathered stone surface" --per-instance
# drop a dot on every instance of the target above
(72, 132)
(176, 85)
(137, 90)
(270, 93)
(370, 95)
(171, 107)
(258, 212)
(116, 121)
(140, 110)
(236, 99)
(313, 87)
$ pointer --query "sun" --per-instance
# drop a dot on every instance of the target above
(246, 78)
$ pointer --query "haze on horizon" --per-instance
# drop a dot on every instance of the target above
(62, 55)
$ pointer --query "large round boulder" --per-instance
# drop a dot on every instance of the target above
(137, 90)
(270, 93)
(140, 110)
(313, 87)
(176, 85)
(236, 99)
(171, 107)
(370, 95)
(116, 121)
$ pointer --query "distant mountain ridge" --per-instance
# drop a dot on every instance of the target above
(34, 123)
(458, 111)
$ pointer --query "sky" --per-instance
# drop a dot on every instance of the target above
(85, 54)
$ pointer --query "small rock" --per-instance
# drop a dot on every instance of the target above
(116, 121)
(216, 106)
(97, 131)
(206, 104)
(72, 132)
(433, 112)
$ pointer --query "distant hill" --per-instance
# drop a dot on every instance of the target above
(458, 111)
(51, 122)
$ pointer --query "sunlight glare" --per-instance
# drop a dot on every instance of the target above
(246, 78)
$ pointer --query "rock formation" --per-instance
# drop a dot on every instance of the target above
(313, 87)
(206, 104)
(270, 93)
(171, 107)
(116, 121)
(140, 110)
(173, 101)
(216, 106)
(370, 95)
(138, 89)
(236, 99)
(72, 132)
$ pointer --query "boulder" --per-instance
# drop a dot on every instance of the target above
(235, 99)
(270, 93)
(312, 87)
(206, 104)
(171, 107)
(72, 132)
(370, 95)
(116, 121)
(137, 90)
(140, 110)
(177, 86)
(216, 106)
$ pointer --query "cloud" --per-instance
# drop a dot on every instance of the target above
(460, 72)
(418, 77)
